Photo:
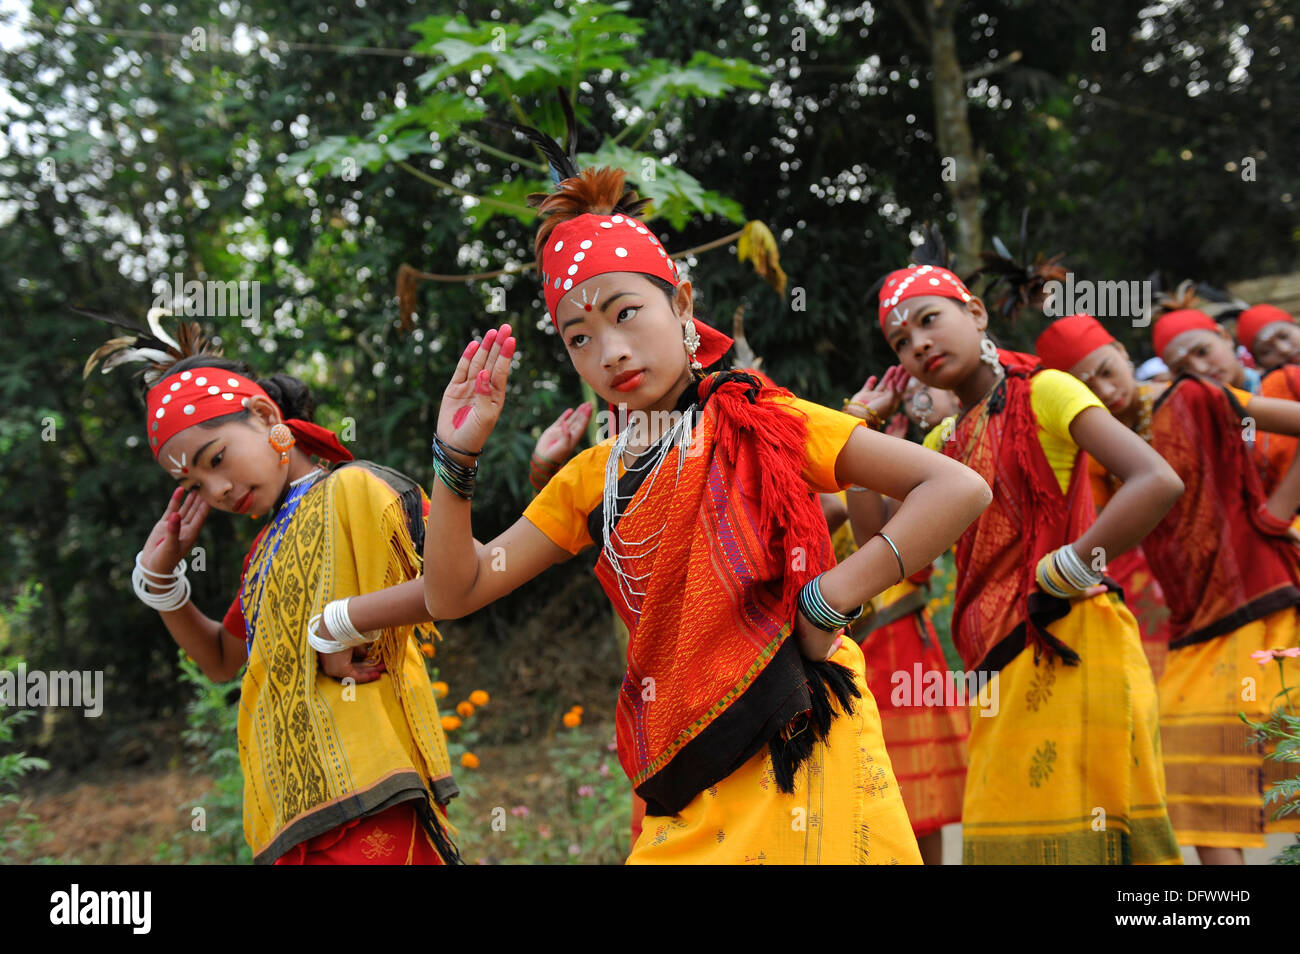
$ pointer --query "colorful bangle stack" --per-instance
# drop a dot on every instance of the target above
(541, 470)
(819, 612)
(1063, 574)
(874, 420)
(457, 477)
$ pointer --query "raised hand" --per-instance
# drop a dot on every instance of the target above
(883, 395)
(473, 400)
(175, 532)
(557, 443)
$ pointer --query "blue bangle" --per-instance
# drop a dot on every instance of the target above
(814, 606)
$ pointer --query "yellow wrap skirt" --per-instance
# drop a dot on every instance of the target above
(1068, 770)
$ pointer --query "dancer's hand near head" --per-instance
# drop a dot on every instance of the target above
(882, 395)
(558, 442)
(473, 400)
(174, 534)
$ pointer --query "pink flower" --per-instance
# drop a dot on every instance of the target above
(1262, 656)
(544, 831)
(604, 770)
(520, 811)
(586, 791)
(612, 747)
(575, 850)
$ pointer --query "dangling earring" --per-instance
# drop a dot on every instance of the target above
(691, 338)
(989, 354)
(281, 439)
(922, 408)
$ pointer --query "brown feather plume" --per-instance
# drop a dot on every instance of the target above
(151, 347)
(596, 191)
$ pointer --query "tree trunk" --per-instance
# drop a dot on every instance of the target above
(952, 131)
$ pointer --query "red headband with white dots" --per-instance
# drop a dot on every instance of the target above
(201, 394)
(589, 245)
(913, 282)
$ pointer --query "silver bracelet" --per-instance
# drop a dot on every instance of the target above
(173, 588)
(339, 623)
(902, 574)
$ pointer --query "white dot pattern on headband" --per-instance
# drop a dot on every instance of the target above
(228, 396)
(606, 225)
(617, 218)
(621, 252)
(559, 246)
(188, 409)
(200, 381)
(213, 389)
(557, 283)
(166, 398)
(580, 256)
(573, 270)
(233, 382)
(568, 283)
(155, 426)
(159, 413)
(586, 243)
(176, 386)
(185, 375)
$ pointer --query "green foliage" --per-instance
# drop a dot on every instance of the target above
(21, 834)
(1281, 733)
(211, 733)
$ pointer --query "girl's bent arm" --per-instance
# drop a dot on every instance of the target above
(940, 499)
(1150, 486)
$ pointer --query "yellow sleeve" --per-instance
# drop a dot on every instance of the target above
(934, 440)
(1243, 397)
(561, 509)
(1058, 398)
(828, 432)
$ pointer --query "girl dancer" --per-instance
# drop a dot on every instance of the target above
(1080, 345)
(351, 769)
(1226, 558)
(1066, 769)
(743, 720)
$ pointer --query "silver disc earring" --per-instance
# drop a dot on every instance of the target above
(691, 338)
(922, 405)
(989, 354)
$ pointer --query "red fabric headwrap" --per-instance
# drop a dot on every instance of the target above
(915, 281)
(1255, 319)
(589, 245)
(1067, 341)
(201, 394)
(1170, 326)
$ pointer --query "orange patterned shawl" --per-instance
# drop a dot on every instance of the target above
(1218, 567)
(1274, 452)
(711, 675)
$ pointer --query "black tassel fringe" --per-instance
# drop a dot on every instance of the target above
(437, 834)
(792, 746)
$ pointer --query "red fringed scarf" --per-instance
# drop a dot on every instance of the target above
(711, 675)
(998, 607)
(1217, 563)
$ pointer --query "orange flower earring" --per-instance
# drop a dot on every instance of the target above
(281, 439)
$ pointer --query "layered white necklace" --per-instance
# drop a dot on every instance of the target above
(624, 554)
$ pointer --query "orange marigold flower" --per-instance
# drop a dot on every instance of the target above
(479, 697)
(469, 760)
(427, 649)
(465, 709)
(572, 720)
(578, 709)
(441, 689)
(450, 723)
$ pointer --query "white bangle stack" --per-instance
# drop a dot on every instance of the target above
(170, 591)
(340, 627)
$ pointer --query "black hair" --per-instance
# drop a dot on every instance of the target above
(290, 395)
